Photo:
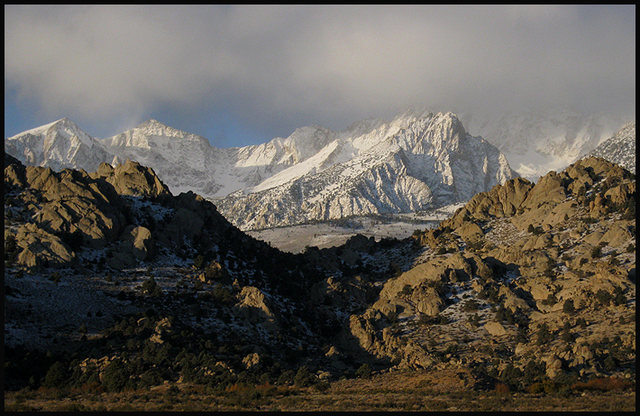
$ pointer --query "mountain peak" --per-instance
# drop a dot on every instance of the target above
(63, 123)
(151, 123)
(153, 127)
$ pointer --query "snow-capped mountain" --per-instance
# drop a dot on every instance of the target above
(621, 148)
(183, 160)
(61, 144)
(537, 142)
(413, 162)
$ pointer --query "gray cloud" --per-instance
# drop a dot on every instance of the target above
(279, 67)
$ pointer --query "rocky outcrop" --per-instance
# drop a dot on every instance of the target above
(40, 248)
(115, 207)
(130, 178)
(254, 304)
(495, 329)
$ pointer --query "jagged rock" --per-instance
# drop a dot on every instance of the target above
(469, 231)
(162, 327)
(133, 179)
(561, 213)
(617, 235)
(620, 195)
(537, 242)
(548, 190)
(362, 330)
(414, 356)
(553, 366)
(96, 365)
(511, 300)
(105, 170)
(495, 328)
(593, 238)
(332, 352)
(427, 301)
(40, 248)
(254, 304)
(142, 244)
(251, 360)
(14, 172)
(122, 258)
(185, 223)
(500, 201)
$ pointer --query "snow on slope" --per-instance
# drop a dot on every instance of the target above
(535, 143)
(60, 144)
(621, 148)
(414, 162)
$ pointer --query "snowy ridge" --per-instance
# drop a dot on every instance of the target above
(416, 161)
(410, 164)
(621, 148)
(60, 144)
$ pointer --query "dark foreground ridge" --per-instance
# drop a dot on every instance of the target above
(112, 285)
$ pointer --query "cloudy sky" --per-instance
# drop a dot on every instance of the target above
(245, 74)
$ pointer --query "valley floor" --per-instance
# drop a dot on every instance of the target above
(296, 238)
(383, 392)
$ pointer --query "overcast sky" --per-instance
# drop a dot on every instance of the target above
(245, 74)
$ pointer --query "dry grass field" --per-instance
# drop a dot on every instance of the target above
(383, 392)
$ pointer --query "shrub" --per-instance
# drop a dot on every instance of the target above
(511, 376)
(286, 377)
(535, 230)
(55, 277)
(550, 300)
(535, 388)
(534, 371)
(56, 375)
(618, 296)
(198, 261)
(603, 297)
(406, 290)
(223, 295)
(303, 377)
(502, 388)
(322, 386)
(596, 252)
(544, 335)
(151, 288)
(566, 333)
(604, 384)
(115, 376)
(609, 363)
(470, 306)
(364, 371)
(73, 240)
(10, 247)
(568, 307)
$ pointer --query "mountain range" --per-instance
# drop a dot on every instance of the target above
(414, 162)
(417, 161)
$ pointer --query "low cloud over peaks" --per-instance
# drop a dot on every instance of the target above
(275, 68)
